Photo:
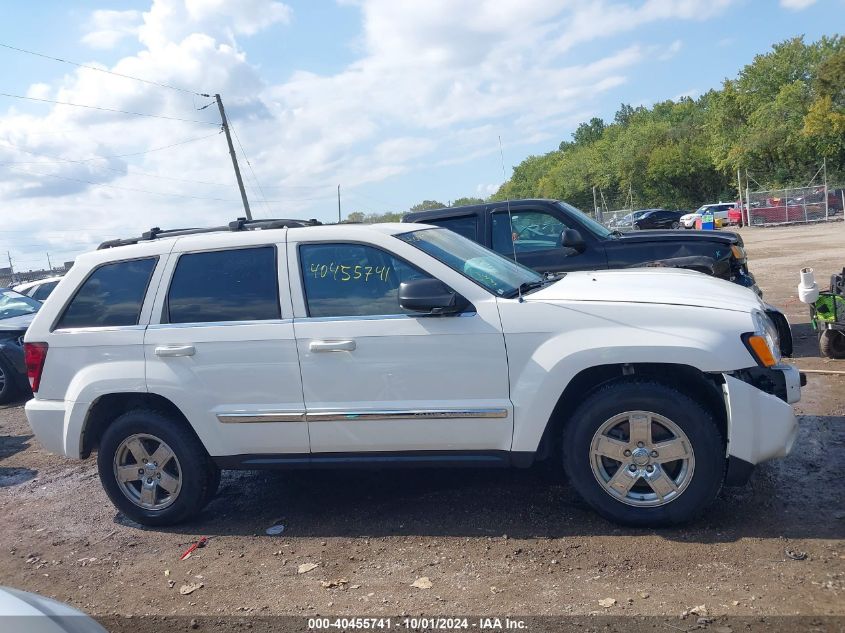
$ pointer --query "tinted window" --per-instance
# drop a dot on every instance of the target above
(466, 226)
(352, 280)
(525, 231)
(43, 291)
(111, 296)
(234, 285)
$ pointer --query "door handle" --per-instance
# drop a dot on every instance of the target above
(331, 346)
(175, 350)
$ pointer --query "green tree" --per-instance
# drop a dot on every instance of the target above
(427, 205)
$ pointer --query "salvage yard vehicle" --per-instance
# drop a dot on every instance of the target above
(551, 236)
(265, 344)
(39, 289)
(719, 210)
(16, 313)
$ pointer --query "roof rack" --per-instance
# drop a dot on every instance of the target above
(240, 224)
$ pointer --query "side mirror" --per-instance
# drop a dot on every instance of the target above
(570, 238)
(431, 296)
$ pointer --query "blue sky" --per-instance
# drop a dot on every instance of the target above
(397, 101)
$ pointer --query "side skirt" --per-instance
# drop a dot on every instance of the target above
(375, 460)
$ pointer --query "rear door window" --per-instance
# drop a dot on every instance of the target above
(112, 295)
(230, 285)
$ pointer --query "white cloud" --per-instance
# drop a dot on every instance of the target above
(435, 83)
(107, 27)
(796, 5)
(673, 49)
(38, 91)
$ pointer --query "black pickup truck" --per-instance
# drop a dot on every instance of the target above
(551, 236)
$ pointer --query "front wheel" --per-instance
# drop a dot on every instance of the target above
(644, 454)
(676, 225)
(154, 469)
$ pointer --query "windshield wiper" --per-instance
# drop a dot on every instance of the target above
(527, 286)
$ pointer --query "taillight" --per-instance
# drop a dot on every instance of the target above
(34, 355)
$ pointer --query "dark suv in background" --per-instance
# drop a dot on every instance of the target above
(551, 236)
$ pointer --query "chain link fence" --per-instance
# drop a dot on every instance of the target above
(794, 205)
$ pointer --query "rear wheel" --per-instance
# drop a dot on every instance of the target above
(642, 453)
(832, 344)
(154, 469)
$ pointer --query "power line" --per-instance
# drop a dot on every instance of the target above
(101, 70)
(134, 172)
(157, 193)
(134, 189)
(90, 107)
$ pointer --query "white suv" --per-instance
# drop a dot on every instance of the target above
(177, 354)
(719, 211)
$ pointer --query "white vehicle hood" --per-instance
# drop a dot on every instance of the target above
(689, 216)
(669, 286)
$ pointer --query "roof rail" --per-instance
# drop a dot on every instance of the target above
(240, 224)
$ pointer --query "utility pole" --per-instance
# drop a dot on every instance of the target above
(339, 220)
(49, 263)
(11, 268)
(234, 156)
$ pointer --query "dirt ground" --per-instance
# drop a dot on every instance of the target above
(491, 542)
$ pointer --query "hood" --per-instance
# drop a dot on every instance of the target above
(668, 286)
(17, 323)
(724, 237)
(689, 216)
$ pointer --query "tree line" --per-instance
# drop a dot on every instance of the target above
(779, 119)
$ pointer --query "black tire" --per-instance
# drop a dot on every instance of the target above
(694, 420)
(832, 344)
(8, 387)
(676, 225)
(199, 475)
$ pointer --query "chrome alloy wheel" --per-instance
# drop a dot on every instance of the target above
(147, 471)
(642, 459)
(2, 379)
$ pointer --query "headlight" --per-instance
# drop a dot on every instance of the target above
(763, 343)
(739, 253)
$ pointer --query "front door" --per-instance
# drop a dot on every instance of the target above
(532, 237)
(224, 351)
(377, 378)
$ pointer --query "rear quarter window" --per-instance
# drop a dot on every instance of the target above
(111, 296)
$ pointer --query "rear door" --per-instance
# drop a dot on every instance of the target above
(221, 347)
(532, 236)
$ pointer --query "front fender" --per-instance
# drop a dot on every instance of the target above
(541, 365)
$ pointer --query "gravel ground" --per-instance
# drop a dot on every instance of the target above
(490, 542)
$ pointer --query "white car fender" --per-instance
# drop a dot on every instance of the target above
(539, 371)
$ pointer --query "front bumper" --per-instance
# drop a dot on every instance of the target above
(761, 426)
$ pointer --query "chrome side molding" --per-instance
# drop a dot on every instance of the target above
(351, 416)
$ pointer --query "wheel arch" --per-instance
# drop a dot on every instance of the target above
(106, 408)
(703, 387)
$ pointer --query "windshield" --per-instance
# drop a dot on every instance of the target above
(13, 304)
(499, 275)
(598, 229)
